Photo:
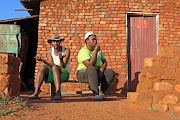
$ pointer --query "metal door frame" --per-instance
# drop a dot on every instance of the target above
(157, 33)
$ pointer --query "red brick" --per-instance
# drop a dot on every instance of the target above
(6, 69)
(10, 85)
(14, 85)
(4, 81)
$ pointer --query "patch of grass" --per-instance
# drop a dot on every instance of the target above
(17, 99)
(153, 109)
(23, 104)
(11, 107)
(3, 101)
(3, 112)
(20, 103)
(174, 116)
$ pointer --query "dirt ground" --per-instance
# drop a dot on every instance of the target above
(81, 107)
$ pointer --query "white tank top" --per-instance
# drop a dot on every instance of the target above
(56, 59)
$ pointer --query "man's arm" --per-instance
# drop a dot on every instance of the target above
(50, 63)
(65, 58)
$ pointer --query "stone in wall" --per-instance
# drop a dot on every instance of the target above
(142, 100)
(162, 86)
(169, 99)
(9, 75)
(161, 107)
(177, 75)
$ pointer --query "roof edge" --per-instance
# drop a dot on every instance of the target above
(15, 19)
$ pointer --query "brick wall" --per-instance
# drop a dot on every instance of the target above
(159, 82)
(9, 75)
(71, 19)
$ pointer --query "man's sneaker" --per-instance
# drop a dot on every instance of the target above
(103, 97)
(97, 98)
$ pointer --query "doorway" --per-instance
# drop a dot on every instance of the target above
(142, 42)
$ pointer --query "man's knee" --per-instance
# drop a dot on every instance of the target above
(43, 68)
(55, 68)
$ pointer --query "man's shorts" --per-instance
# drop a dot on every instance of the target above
(64, 75)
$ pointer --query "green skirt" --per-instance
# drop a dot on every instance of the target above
(64, 75)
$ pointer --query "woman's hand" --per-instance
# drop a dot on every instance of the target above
(97, 48)
(101, 74)
(102, 68)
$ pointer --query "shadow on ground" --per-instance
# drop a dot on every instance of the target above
(45, 98)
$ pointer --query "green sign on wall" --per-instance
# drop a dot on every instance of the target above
(10, 38)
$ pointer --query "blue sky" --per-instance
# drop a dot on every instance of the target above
(7, 9)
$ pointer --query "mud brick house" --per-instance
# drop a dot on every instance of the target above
(127, 31)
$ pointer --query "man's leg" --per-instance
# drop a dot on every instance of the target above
(44, 70)
(57, 80)
(108, 78)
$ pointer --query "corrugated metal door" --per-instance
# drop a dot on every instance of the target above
(10, 38)
(141, 44)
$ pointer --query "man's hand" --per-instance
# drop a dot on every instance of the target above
(60, 55)
(97, 48)
(38, 58)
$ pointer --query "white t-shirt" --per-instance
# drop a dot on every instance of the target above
(56, 59)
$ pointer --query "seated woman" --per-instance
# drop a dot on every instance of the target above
(92, 67)
(56, 70)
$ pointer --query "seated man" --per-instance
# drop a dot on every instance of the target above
(56, 70)
(92, 67)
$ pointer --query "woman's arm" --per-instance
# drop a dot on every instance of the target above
(103, 67)
(92, 61)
